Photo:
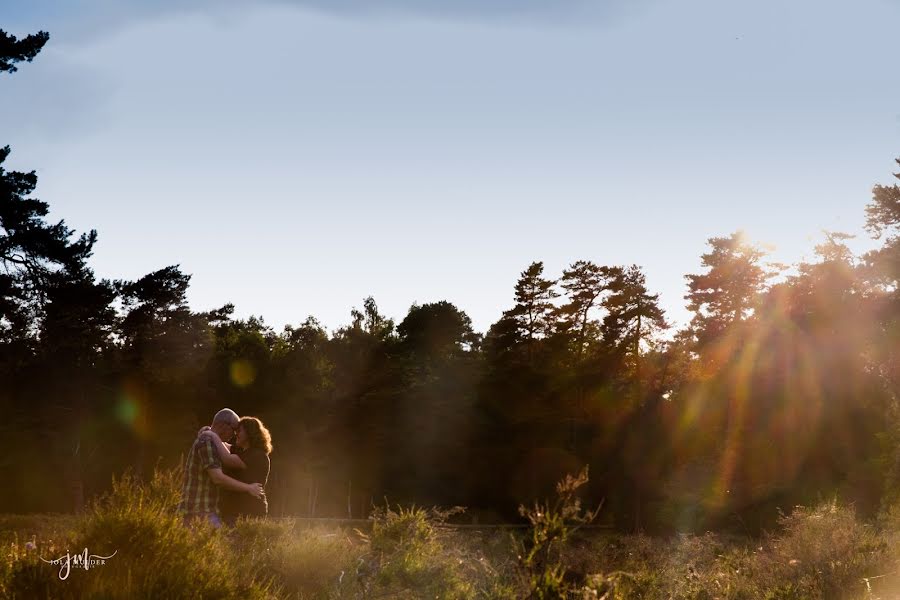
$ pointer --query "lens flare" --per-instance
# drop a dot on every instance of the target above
(127, 410)
(131, 408)
(242, 372)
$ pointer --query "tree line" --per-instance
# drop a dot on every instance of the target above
(782, 389)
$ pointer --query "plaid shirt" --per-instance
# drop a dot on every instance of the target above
(198, 493)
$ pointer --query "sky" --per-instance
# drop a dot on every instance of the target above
(296, 156)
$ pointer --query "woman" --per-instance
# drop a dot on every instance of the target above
(246, 460)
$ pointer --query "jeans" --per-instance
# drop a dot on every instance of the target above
(211, 518)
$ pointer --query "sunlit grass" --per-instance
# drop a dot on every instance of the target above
(822, 552)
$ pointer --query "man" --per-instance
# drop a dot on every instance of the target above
(203, 474)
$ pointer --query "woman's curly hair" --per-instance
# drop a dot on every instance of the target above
(257, 434)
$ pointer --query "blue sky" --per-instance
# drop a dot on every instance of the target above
(297, 156)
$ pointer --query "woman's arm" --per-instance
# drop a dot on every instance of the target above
(224, 481)
(232, 461)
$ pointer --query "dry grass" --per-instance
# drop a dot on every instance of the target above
(823, 552)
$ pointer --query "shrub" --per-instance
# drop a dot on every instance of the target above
(551, 525)
(155, 555)
(410, 557)
(297, 563)
(826, 549)
(24, 539)
(822, 552)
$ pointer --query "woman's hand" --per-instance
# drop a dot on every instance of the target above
(204, 429)
(212, 434)
(255, 490)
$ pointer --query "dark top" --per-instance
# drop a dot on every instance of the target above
(234, 504)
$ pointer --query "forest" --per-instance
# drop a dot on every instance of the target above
(781, 391)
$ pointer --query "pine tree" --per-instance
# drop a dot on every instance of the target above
(13, 50)
(585, 284)
(728, 291)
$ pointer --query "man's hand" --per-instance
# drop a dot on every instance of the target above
(255, 490)
(208, 432)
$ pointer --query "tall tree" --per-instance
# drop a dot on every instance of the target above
(729, 289)
(165, 347)
(830, 289)
(75, 337)
(30, 251)
(13, 50)
(883, 221)
(437, 348)
(633, 317)
(584, 283)
(534, 310)
(372, 321)
(436, 330)
(883, 270)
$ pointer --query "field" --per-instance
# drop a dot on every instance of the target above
(822, 552)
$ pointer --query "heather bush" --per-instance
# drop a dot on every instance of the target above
(298, 562)
(153, 553)
(411, 557)
(552, 524)
(825, 552)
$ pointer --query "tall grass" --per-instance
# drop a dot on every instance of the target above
(154, 555)
(408, 552)
(552, 525)
(823, 552)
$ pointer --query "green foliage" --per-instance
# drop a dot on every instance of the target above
(828, 546)
(534, 310)
(13, 50)
(729, 290)
(298, 562)
(818, 553)
(412, 558)
(823, 552)
(154, 554)
(634, 318)
(436, 330)
(551, 526)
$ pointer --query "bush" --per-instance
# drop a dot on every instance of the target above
(24, 539)
(411, 558)
(551, 525)
(822, 552)
(297, 563)
(155, 555)
(826, 549)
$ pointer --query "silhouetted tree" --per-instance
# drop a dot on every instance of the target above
(727, 292)
(584, 283)
(13, 50)
(437, 330)
(31, 250)
(534, 307)
(633, 317)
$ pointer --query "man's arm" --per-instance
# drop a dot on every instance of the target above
(232, 461)
(224, 481)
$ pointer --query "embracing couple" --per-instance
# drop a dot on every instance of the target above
(226, 471)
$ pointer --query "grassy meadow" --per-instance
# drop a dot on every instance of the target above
(821, 552)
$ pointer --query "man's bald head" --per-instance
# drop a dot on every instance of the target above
(225, 424)
(226, 416)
